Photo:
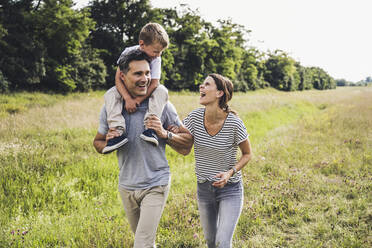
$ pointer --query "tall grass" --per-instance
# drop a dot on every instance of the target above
(308, 185)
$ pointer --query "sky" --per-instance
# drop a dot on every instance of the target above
(335, 35)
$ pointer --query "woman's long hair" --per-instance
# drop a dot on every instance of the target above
(225, 85)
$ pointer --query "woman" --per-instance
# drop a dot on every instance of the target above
(217, 132)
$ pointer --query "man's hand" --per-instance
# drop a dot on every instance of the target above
(181, 141)
(100, 141)
(112, 133)
(154, 122)
(131, 105)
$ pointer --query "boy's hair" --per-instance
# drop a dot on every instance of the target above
(133, 55)
(154, 32)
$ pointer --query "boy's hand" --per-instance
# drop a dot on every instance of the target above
(131, 105)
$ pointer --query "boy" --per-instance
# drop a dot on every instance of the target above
(153, 40)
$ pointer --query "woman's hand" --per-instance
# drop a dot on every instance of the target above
(224, 177)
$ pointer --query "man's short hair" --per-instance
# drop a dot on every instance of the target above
(154, 32)
(133, 55)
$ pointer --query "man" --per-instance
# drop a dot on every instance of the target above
(144, 178)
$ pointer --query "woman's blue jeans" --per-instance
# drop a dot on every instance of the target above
(219, 210)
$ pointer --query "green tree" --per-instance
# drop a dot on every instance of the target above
(342, 82)
(43, 43)
(252, 71)
(47, 44)
(306, 76)
(186, 54)
(63, 32)
(90, 72)
(22, 53)
(228, 54)
(4, 83)
(281, 71)
(118, 23)
(199, 48)
(322, 80)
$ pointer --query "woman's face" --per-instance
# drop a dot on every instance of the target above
(208, 92)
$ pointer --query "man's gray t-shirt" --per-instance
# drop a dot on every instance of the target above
(141, 164)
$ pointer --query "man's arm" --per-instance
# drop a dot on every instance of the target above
(181, 142)
(100, 141)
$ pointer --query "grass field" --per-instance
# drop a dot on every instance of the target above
(308, 185)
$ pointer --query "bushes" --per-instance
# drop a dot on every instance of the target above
(44, 47)
(4, 84)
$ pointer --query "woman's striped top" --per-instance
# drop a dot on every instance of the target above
(217, 153)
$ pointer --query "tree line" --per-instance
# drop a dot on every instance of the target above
(344, 82)
(50, 45)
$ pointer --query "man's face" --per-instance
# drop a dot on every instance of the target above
(153, 50)
(137, 78)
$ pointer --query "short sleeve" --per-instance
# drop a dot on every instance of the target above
(240, 132)
(189, 124)
(170, 116)
(103, 125)
(155, 67)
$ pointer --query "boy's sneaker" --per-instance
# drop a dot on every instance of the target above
(149, 135)
(115, 143)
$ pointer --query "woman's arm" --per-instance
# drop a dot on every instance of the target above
(181, 142)
(245, 148)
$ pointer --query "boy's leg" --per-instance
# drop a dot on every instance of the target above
(115, 119)
(157, 101)
(114, 108)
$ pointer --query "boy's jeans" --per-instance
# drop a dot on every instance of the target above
(143, 209)
(114, 105)
(219, 210)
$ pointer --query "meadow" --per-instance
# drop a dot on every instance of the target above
(309, 183)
